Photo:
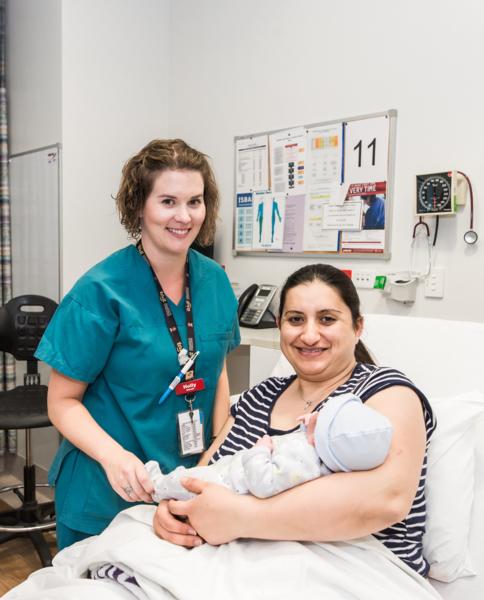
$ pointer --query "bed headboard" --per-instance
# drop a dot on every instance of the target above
(442, 357)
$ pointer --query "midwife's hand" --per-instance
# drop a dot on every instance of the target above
(168, 528)
(128, 476)
(217, 513)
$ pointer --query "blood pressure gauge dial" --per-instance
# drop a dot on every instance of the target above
(434, 194)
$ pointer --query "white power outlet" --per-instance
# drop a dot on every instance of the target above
(364, 278)
(434, 283)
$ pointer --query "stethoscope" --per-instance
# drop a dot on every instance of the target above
(470, 236)
(422, 224)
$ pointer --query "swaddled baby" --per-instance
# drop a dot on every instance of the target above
(345, 435)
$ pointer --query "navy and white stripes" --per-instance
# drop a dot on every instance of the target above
(117, 574)
(252, 420)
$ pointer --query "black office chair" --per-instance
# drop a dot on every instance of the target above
(22, 323)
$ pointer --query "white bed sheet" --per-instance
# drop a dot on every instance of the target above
(359, 570)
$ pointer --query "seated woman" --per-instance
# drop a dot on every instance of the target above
(320, 326)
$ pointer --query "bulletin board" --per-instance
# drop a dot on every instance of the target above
(324, 189)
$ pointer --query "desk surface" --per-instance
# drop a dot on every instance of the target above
(264, 338)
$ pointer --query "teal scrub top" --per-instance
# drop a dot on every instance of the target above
(110, 332)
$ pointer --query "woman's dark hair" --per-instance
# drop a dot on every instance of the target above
(140, 172)
(342, 284)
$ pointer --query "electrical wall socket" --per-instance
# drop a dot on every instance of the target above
(364, 278)
(434, 283)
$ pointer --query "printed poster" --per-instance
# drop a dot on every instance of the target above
(317, 237)
(371, 238)
(268, 221)
(294, 224)
(324, 158)
(287, 157)
(243, 222)
(366, 150)
(252, 164)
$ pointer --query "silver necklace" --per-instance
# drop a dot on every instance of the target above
(307, 405)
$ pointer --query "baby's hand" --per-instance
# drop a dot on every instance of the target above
(310, 424)
(265, 441)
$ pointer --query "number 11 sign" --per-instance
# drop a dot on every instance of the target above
(366, 150)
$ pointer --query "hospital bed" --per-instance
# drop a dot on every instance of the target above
(446, 360)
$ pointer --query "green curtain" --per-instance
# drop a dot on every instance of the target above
(7, 364)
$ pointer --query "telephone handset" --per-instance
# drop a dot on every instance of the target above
(254, 305)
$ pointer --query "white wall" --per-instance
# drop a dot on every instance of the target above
(34, 73)
(106, 98)
(210, 70)
(115, 98)
(244, 67)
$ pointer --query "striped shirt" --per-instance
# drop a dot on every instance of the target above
(252, 415)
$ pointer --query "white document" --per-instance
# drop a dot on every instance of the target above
(252, 164)
(347, 216)
(294, 224)
(268, 221)
(317, 238)
(288, 156)
(324, 158)
(366, 150)
(367, 241)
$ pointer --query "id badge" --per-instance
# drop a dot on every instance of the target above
(190, 432)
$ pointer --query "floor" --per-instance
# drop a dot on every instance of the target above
(17, 557)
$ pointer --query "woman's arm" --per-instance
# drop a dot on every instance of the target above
(72, 419)
(338, 507)
(221, 407)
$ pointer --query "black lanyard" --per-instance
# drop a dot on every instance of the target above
(170, 319)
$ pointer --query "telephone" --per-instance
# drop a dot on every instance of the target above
(254, 305)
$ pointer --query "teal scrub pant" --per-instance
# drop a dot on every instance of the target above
(67, 536)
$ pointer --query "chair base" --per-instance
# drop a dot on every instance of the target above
(40, 544)
(28, 520)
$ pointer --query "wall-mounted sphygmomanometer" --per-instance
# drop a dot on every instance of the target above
(434, 194)
(440, 194)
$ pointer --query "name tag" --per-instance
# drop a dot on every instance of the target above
(189, 387)
(190, 432)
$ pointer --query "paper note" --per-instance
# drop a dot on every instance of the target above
(252, 164)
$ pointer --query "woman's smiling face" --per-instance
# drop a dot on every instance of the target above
(174, 212)
(318, 336)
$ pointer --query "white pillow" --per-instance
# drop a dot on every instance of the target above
(450, 486)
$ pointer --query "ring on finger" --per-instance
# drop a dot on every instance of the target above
(128, 490)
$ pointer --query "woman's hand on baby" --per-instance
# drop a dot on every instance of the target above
(217, 513)
(265, 441)
(171, 529)
(128, 476)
